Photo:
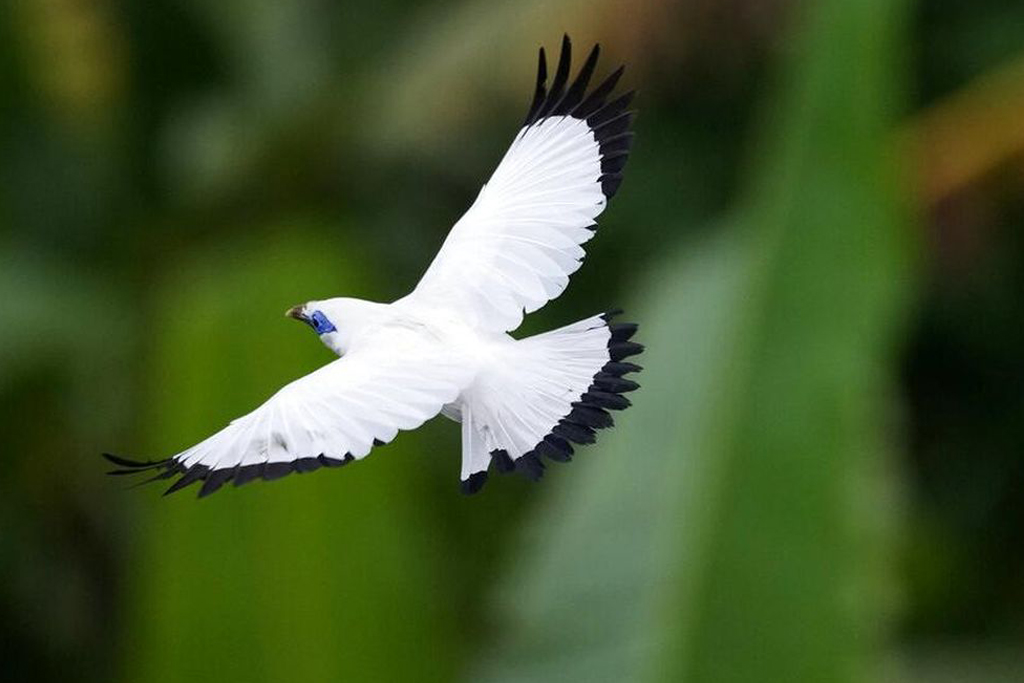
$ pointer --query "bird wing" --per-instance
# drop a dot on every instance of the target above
(330, 417)
(516, 247)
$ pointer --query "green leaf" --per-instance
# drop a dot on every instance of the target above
(321, 576)
(732, 528)
(64, 319)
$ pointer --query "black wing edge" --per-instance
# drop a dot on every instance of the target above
(588, 414)
(213, 479)
(609, 119)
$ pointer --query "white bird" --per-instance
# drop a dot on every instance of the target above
(445, 347)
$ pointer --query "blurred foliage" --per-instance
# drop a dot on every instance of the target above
(819, 478)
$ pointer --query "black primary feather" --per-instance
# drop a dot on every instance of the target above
(609, 119)
(214, 479)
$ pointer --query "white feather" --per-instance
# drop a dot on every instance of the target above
(399, 382)
(517, 245)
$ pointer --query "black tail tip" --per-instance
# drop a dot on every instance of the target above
(475, 482)
(620, 350)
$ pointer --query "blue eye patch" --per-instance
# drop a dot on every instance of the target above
(320, 323)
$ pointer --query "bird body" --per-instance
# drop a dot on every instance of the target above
(445, 348)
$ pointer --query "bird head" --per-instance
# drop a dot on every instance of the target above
(335, 321)
(312, 314)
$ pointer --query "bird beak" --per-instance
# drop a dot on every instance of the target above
(297, 312)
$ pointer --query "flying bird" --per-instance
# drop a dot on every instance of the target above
(445, 348)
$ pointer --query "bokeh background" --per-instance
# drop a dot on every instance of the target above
(820, 232)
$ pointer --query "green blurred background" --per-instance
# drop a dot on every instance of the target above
(820, 233)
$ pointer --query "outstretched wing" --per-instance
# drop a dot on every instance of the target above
(330, 417)
(516, 247)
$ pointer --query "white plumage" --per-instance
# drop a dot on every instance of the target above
(444, 348)
(516, 247)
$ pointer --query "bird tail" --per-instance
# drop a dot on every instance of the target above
(543, 395)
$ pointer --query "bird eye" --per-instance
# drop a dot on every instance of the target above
(320, 323)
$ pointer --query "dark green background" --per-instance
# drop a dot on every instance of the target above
(819, 233)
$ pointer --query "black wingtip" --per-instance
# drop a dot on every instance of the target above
(599, 95)
(554, 95)
(540, 89)
(191, 476)
(276, 470)
(574, 95)
(214, 479)
(607, 118)
(172, 470)
(137, 465)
